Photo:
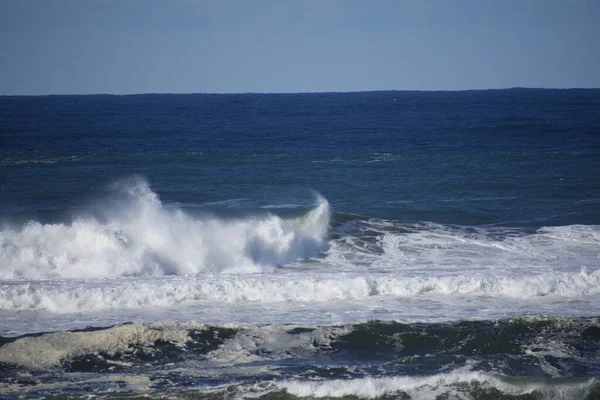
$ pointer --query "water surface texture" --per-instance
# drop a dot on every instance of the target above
(408, 245)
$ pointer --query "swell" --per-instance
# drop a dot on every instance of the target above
(137, 236)
(519, 358)
(528, 346)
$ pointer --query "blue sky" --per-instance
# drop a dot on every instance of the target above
(216, 46)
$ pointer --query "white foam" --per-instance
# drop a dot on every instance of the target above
(428, 248)
(305, 287)
(428, 387)
(142, 238)
(49, 350)
(218, 270)
(442, 246)
(254, 343)
(251, 343)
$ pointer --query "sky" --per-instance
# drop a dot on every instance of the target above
(236, 46)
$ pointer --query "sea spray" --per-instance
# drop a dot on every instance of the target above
(137, 236)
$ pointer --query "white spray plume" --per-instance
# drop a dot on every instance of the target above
(139, 237)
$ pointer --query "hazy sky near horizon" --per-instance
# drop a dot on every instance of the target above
(190, 46)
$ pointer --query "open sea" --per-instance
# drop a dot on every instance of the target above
(381, 245)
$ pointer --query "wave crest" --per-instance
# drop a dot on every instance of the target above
(140, 237)
(76, 297)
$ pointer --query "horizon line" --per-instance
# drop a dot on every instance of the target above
(302, 92)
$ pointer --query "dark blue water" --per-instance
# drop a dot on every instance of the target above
(522, 156)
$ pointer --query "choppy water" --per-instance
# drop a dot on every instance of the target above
(423, 245)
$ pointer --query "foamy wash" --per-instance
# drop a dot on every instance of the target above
(372, 245)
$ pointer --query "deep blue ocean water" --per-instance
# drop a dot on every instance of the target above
(527, 157)
(419, 244)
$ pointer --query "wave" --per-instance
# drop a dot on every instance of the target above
(51, 349)
(525, 357)
(137, 236)
(524, 346)
(94, 296)
(440, 249)
(452, 385)
(460, 385)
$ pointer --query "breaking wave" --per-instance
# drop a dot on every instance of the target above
(459, 385)
(93, 296)
(137, 236)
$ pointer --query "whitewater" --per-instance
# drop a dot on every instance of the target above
(306, 267)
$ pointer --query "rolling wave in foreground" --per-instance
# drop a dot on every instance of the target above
(368, 360)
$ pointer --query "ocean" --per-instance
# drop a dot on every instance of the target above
(381, 245)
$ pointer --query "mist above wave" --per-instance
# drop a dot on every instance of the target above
(139, 237)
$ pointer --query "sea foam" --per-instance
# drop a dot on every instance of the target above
(39, 352)
(434, 387)
(101, 295)
(139, 237)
